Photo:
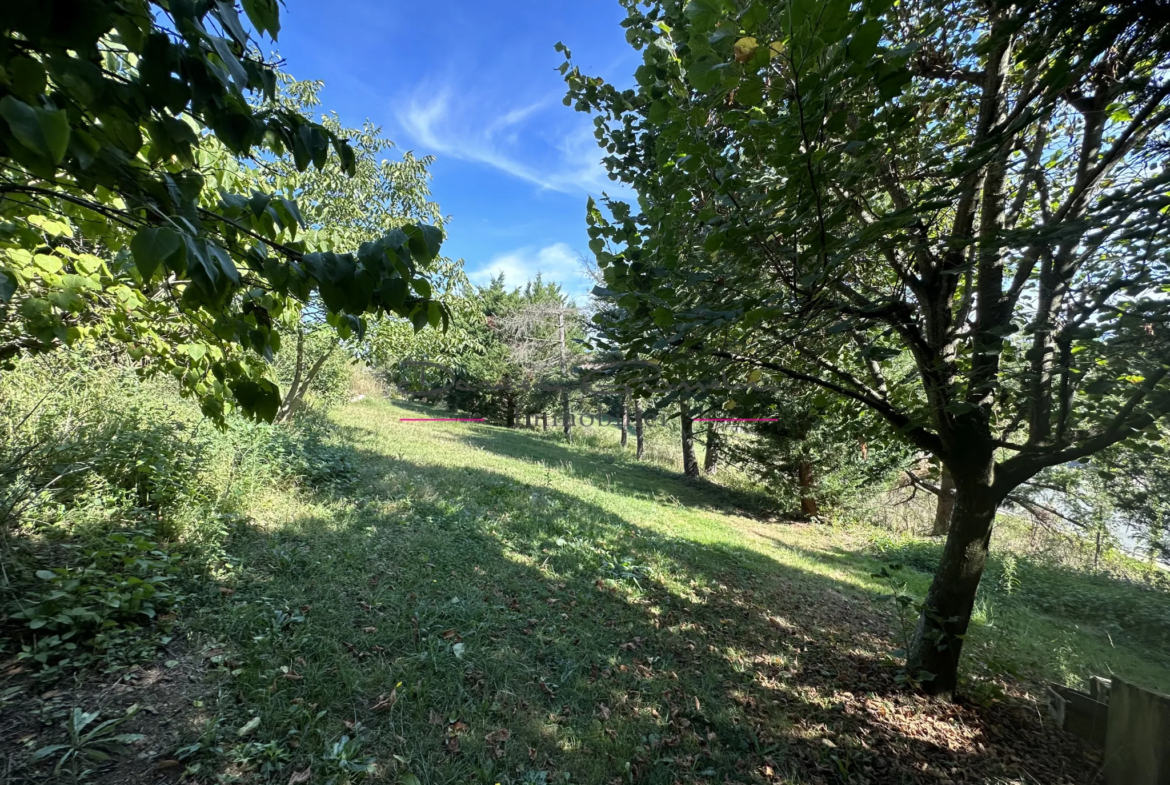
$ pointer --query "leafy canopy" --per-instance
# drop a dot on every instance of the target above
(119, 217)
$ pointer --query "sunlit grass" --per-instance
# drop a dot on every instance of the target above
(544, 610)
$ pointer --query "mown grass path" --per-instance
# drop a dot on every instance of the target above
(485, 605)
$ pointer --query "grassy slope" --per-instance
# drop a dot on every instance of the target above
(525, 611)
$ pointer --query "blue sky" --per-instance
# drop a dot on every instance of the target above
(475, 84)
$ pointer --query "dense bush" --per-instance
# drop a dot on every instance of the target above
(105, 480)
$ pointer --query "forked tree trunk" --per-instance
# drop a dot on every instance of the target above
(638, 433)
(938, 639)
(625, 421)
(690, 463)
(711, 459)
(295, 396)
(946, 504)
(808, 504)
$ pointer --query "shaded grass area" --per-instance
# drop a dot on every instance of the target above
(484, 605)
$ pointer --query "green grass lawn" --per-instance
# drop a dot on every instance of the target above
(486, 605)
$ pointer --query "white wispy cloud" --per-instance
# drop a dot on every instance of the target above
(557, 262)
(460, 126)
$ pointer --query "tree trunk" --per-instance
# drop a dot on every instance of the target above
(711, 459)
(528, 421)
(946, 504)
(946, 614)
(511, 402)
(567, 417)
(625, 420)
(544, 420)
(808, 505)
(690, 463)
(286, 406)
(300, 384)
(638, 433)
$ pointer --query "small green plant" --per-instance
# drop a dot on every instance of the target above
(265, 758)
(1010, 580)
(907, 609)
(347, 762)
(97, 745)
(624, 570)
(77, 610)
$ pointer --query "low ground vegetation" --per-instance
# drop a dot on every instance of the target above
(404, 602)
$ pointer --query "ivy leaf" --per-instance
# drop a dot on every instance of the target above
(44, 131)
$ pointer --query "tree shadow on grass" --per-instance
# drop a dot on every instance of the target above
(617, 470)
(483, 629)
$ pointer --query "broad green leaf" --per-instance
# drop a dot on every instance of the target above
(44, 131)
(264, 15)
(393, 292)
(154, 246)
(864, 42)
(7, 286)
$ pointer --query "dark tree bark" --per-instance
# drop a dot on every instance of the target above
(625, 420)
(711, 458)
(808, 504)
(528, 420)
(938, 639)
(690, 463)
(946, 504)
(544, 420)
(566, 417)
(638, 432)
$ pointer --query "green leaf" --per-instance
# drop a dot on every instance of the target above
(264, 15)
(423, 287)
(44, 131)
(863, 45)
(260, 399)
(393, 293)
(231, 21)
(46, 575)
(234, 67)
(434, 313)
(703, 13)
(152, 247)
(7, 286)
(419, 318)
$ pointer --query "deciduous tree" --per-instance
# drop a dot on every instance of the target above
(951, 212)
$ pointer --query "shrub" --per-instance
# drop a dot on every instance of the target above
(92, 607)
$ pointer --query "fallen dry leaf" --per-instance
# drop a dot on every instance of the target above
(384, 702)
(170, 763)
(299, 777)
